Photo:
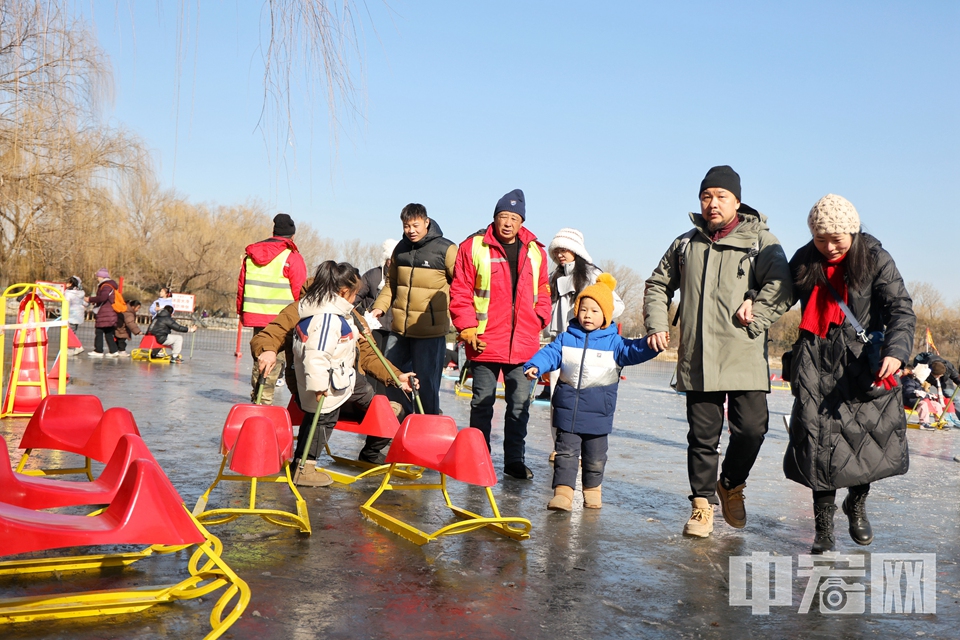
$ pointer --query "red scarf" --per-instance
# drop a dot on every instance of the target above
(822, 309)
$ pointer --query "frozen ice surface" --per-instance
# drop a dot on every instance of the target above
(620, 572)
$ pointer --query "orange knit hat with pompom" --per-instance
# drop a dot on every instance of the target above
(602, 293)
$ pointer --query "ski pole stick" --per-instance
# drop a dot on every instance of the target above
(386, 365)
(260, 387)
(313, 429)
(944, 412)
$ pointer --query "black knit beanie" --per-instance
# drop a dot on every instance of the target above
(512, 202)
(283, 225)
(723, 177)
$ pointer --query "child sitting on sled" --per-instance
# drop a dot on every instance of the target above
(589, 355)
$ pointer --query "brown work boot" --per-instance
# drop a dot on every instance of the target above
(591, 498)
(731, 502)
(562, 499)
(700, 524)
(310, 476)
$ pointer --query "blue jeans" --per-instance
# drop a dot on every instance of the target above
(517, 392)
(424, 356)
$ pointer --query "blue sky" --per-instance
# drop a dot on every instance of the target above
(607, 115)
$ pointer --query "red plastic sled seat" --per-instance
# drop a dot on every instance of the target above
(63, 423)
(145, 510)
(66, 423)
(379, 421)
(276, 416)
(434, 442)
(43, 493)
(257, 444)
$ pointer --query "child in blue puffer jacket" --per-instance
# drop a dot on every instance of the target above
(589, 354)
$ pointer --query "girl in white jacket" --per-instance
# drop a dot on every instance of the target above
(325, 349)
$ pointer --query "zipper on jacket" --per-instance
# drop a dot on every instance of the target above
(406, 315)
(513, 318)
(576, 402)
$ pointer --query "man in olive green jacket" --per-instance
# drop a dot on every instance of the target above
(734, 282)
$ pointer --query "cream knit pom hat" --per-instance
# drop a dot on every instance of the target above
(571, 240)
(387, 247)
(833, 214)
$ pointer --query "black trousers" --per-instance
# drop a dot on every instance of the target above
(355, 407)
(748, 416)
(105, 333)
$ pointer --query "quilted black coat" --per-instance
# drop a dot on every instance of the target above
(844, 431)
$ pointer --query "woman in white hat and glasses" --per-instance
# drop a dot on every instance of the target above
(575, 272)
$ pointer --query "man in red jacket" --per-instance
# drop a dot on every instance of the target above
(272, 275)
(500, 302)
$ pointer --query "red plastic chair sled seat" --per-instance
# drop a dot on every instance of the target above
(257, 445)
(381, 422)
(434, 442)
(277, 416)
(75, 424)
(31, 492)
(145, 509)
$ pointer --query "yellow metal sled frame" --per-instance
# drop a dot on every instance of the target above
(208, 578)
(299, 520)
(86, 469)
(939, 424)
(146, 355)
(515, 528)
(370, 470)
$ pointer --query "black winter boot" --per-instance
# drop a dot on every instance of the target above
(855, 506)
(823, 516)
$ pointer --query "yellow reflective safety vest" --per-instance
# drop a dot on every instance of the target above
(481, 290)
(265, 290)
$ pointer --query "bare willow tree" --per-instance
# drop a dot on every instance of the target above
(318, 41)
(58, 163)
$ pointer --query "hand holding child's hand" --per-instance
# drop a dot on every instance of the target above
(532, 373)
(745, 313)
(658, 341)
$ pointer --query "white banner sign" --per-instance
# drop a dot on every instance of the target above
(183, 302)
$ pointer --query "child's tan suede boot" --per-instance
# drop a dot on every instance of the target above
(562, 499)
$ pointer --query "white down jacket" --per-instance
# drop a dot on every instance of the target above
(325, 351)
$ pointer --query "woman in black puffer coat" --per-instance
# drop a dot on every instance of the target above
(847, 428)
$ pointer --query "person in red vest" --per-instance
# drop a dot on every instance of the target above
(271, 277)
(499, 303)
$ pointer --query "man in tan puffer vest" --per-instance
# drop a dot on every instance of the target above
(417, 291)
